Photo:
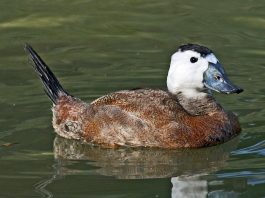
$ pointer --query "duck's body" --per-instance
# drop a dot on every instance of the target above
(141, 117)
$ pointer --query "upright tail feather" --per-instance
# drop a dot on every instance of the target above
(51, 85)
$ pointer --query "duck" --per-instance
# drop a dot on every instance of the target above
(186, 115)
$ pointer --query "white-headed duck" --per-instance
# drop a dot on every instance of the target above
(186, 115)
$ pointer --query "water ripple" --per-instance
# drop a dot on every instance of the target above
(258, 148)
(253, 178)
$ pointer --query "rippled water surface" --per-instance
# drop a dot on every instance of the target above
(96, 47)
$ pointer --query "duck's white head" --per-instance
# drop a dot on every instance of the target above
(194, 69)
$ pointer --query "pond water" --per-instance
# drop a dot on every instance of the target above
(97, 47)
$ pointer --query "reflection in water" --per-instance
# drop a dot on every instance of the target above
(189, 186)
(143, 163)
(184, 167)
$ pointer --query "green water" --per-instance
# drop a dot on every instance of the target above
(96, 47)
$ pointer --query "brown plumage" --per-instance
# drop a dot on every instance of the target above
(144, 117)
(137, 118)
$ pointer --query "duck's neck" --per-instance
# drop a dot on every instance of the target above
(202, 105)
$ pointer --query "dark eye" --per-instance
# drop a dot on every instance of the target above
(193, 59)
(217, 77)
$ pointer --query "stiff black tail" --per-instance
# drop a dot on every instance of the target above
(52, 87)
